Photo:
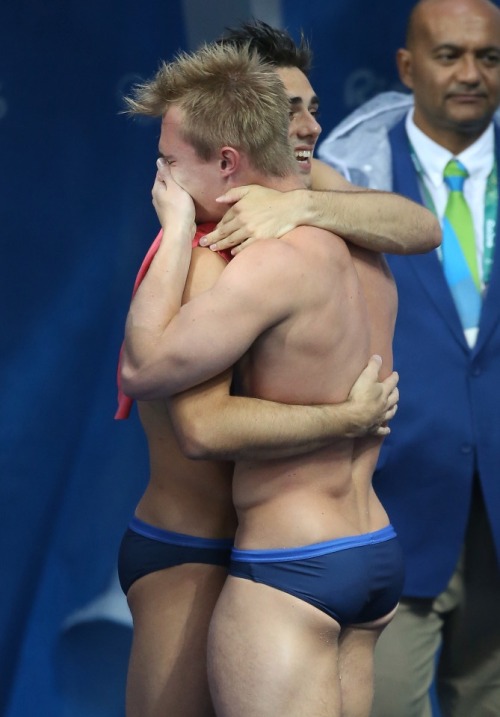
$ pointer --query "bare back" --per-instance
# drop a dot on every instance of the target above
(314, 356)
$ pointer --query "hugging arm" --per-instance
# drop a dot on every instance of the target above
(374, 220)
(209, 423)
(170, 347)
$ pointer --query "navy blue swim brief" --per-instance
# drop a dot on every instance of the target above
(354, 580)
(145, 549)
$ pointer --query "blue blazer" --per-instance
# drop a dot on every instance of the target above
(448, 423)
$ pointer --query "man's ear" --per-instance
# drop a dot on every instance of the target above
(229, 160)
(403, 62)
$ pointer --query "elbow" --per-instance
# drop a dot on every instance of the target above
(200, 432)
(196, 440)
(147, 380)
(430, 237)
(425, 236)
(435, 235)
(135, 382)
(131, 383)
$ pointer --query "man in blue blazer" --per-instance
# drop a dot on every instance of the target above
(439, 471)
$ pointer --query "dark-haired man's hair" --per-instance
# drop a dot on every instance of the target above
(274, 46)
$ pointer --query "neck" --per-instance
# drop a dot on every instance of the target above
(286, 184)
(282, 184)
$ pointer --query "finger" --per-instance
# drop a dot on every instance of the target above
(392, 398)
(218, 234)
(224, 229)
(233, 240)
(233, 195)
(211, 238)
(374, 364)
(236, 239)
(243, 245)
(394, 395)
(163, 169)
(381, 431)
(371, 370)
(158, 183)
(391, 381)
(390, 413)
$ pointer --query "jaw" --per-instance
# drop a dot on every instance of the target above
(469, 117)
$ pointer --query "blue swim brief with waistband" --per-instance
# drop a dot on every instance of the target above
(354, 580)
(145, 549)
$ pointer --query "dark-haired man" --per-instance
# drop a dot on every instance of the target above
(378, 221)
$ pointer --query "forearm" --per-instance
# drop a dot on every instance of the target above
(378, 221)
(157, 300)
(235, 428)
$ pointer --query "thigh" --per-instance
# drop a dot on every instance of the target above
(272, 654)
(469, 668)
(171, 610)
(356, 651)
(404, 661)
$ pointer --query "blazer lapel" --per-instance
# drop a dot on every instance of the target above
(427, 267)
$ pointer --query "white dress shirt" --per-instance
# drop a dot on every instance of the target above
(478, 159)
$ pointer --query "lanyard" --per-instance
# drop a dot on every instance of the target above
(490, 212)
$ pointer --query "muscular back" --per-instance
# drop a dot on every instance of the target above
(312, 356)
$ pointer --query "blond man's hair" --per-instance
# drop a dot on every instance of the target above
(229, 97)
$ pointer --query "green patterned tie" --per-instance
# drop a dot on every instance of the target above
(459, 248)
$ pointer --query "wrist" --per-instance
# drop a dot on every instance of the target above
(319, 209)
(306, 205)
(177, 225)
(176, 234)
(343, 419)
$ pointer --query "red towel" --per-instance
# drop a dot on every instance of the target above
(125, 402)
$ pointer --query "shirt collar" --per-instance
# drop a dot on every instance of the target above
(478, 158)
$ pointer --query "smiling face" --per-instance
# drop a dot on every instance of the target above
(200, 178)
(452, 65)
(304, 129)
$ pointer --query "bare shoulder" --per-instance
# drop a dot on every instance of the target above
(305, 266)
(265, 268)
(309, 239)
(271, 262)
(326, 178)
